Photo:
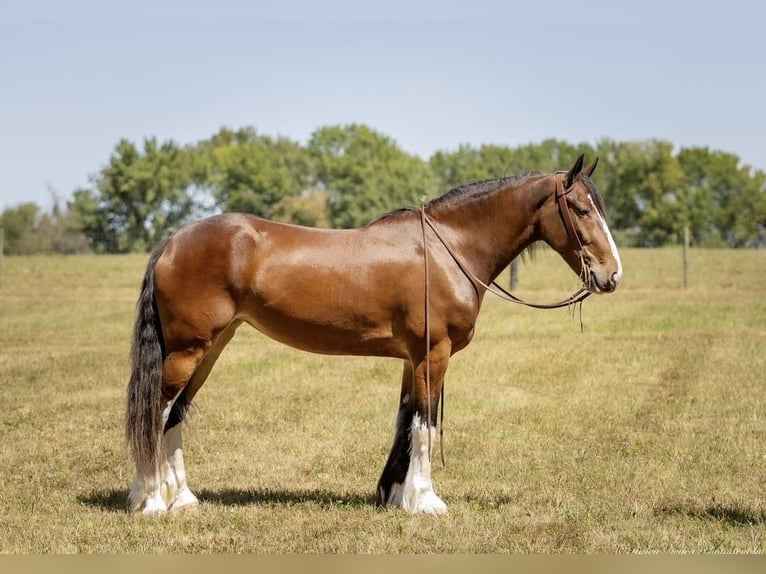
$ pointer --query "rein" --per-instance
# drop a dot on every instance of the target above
(496, 289)
(423, 221)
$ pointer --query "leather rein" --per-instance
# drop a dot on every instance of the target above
(496, 289)
(577, 297)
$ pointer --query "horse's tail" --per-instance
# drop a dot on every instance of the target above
(144, 410)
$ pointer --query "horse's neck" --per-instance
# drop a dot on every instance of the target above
(494, 229)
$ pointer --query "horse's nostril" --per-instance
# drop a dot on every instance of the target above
(616, 276)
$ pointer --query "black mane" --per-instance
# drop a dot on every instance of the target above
(479, 188)
(461, 193)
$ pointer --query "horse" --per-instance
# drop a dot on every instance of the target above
(408, 285)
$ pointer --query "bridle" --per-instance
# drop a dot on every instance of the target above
(494, 287)
(577, 297)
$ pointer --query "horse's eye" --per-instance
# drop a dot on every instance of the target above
(582, 212)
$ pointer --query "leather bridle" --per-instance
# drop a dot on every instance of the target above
(495, 288)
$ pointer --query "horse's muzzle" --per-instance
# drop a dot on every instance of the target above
(598, 284)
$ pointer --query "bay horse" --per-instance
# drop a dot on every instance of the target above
(408, 285)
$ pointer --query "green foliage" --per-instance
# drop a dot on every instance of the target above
(491, 161)
(646, 179)
(310, 208)
(347, 175)
(652, 194)
(28, 230)
(250, 173)
(18, 224)
(138, 198)
(726, 202)
(366, 174)
(470, 164)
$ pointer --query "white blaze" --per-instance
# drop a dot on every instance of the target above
(612, 245)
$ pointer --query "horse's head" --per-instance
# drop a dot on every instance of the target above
(573, 222)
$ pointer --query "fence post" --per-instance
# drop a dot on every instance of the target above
(686, 256)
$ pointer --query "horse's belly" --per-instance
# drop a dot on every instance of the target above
(325, 329)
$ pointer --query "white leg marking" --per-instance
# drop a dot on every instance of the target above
(145, 495)
(177, 493)
(417, 494)
(149, 490)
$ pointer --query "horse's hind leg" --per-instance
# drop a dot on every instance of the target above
(152, 489)
(176, 490)
(406, 479)
(184, 370)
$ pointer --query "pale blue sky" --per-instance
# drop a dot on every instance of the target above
(76, 76)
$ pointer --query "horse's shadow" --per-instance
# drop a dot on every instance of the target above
(733, 515)
(116, 500)
(265, 496)
(112, 500)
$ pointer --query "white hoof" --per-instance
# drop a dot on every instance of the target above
(154, 505)
(423, 502)
(185, 499)
(429, 503)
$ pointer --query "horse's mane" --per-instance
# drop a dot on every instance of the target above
(462, 193)
(479, 188)
(396, 212)
(483, 187)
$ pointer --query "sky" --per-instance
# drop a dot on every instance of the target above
(78, 76)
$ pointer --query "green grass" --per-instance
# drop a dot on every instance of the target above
(646, 432)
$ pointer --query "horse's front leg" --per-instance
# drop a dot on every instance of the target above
(406, 480)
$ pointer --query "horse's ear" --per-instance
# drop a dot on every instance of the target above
(591, 168)
(574, 171)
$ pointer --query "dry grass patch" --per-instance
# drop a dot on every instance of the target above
(644, 433)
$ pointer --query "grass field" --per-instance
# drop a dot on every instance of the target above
(646, 432)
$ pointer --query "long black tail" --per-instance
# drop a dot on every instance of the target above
(144, 410)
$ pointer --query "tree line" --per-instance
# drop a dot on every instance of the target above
(345, 176)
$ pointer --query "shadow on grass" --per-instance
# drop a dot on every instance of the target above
(112, 500)
(247, 497)
(733, 515)
(117, 500)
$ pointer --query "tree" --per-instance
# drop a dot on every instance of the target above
(464, 165)
(249, 173)
(348, 175)
(550, 155)
(28, 230)
(641, 189)
(366, 174)
(138, 198)
(310, 208)
(726, 201)
(469, 164)
(20, 226)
